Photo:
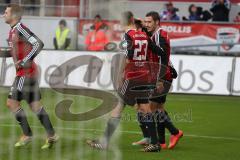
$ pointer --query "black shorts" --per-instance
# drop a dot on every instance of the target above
(132, 92)
(161, 98)
(24, 88)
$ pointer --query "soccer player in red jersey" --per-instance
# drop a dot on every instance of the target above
(136, 74)
(25, 46)
(161, 39)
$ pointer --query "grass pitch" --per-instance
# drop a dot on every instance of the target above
(210, 124)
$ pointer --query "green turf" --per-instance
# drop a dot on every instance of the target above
(210, 124)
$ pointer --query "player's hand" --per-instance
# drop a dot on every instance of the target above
(159, 87)
(18, 64)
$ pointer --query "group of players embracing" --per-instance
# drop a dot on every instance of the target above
(145, 81)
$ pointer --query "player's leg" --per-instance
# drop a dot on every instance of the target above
(112, 125)
(20, 116)
(149, 119)
(160, 126)
(113, 122)
(146, 137)
(13, 103)
(141, 112)
(33, 96)
(43, 117)
(165, 120)
(176, 134)
(114, 119)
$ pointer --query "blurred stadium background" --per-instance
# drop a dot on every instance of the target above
(204, 100)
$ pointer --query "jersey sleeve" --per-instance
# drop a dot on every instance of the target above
(164, 44)
(156, 49)
(129, 51)
(31, 38)
(164, 41)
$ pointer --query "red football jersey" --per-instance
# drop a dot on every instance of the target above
(138, 55)
(160, 38)
(24, 47)
(137, 45)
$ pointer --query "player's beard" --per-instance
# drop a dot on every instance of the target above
(151, 29)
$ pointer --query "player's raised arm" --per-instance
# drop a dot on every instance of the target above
(129, 51)
(33, 40)
(159, 50)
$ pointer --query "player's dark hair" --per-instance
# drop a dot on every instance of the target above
(98, 16)
(127, 17)
(63, 22)
(155, 16)
(138, 23)
(16, 10)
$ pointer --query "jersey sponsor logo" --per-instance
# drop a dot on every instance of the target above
(139, 36)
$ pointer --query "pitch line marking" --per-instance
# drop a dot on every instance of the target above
(128, 132)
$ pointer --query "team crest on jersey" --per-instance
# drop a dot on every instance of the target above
(227, 37)
(124, 45)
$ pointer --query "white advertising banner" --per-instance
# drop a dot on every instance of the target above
(196, 74)
(202, 74)
(236, 82)
(48, 61)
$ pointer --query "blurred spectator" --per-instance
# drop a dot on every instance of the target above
(197, 14)
(237, 18)
(63, 38)
(170, 14)
(194, 13)
(206, 15)
(97, 38)
(98, 23)
(220, 10)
